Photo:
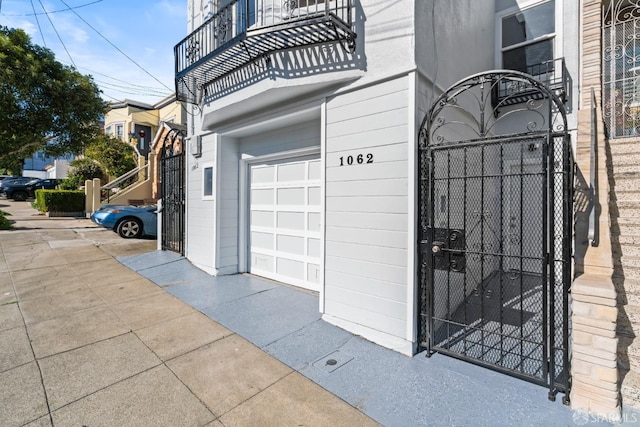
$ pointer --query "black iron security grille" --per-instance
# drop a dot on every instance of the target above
(621, 67)
(495, 229)
(173, 194)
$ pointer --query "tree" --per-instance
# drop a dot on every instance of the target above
(44, 105)
(116, 156)
(83, 169)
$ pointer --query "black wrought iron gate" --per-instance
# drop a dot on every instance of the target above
(173, 194)
(495, 227)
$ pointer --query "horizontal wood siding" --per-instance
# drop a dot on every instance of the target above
(295, 136)
(228, 212)
(200, 224)
(367, 207)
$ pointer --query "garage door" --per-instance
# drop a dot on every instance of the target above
(285, 221)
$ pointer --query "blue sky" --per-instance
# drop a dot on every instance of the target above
(145, 30)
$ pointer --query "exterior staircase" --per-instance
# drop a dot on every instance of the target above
(624, 205)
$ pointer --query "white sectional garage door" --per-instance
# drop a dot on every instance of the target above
(285, 221)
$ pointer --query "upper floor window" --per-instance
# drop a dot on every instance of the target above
(528, 36)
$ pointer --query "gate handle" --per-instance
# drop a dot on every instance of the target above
(436, 248)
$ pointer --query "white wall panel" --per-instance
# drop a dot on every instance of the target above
(370, 138)
(372, 220)
(379, 254)
(378, 187)
(228, 209)
(200, 247)
(392, 239)
(366, 206)
(382, 204)
(367, 270)
(375, 287)
(343, 310)
(377, 170)
(376, 121)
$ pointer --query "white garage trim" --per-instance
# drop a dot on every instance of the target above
(245, 225)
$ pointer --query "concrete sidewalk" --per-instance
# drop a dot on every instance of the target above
(98, 330)
(86, 341)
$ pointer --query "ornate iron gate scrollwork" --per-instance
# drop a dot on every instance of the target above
(172, 160)
(495, 227)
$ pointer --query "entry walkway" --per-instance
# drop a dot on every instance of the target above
(86, 341)
(393, 389)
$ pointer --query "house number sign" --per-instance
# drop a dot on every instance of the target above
(356, 160)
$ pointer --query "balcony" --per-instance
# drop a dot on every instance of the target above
(553, 74)
(243, 32)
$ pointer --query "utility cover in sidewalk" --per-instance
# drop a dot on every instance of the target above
(332, 361)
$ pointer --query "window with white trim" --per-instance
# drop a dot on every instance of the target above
(527, 36)
(120, 131)
(207, 182)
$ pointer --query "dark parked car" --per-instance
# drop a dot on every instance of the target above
(10, 180)
(19, 190)
(128, 221)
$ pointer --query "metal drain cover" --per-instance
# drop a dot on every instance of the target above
(332, 361)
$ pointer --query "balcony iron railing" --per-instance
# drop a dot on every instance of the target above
(552, 74)
(245, 31)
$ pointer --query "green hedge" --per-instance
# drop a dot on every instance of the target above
(60, 200)
(5, 224)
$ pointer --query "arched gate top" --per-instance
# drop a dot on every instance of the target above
(173, 141)
(493, 104)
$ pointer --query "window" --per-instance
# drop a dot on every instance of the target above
(108, 130)
(120, 131)
(528, 37)
(207, 182)
(621, 68)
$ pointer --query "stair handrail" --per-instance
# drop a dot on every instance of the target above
(594, 232)
(123, 178)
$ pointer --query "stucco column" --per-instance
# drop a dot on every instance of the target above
(141, 163)
(88, 197)
(96, 194)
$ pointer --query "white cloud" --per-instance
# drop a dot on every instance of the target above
(177, 9)
(27, 26)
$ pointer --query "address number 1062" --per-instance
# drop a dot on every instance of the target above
(356, 160)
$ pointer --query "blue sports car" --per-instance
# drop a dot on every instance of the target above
(128, 221)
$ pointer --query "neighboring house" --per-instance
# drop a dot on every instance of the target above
(322, 154)
(146, 127)
(138, 123)
(610, 64)
(42, 166)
